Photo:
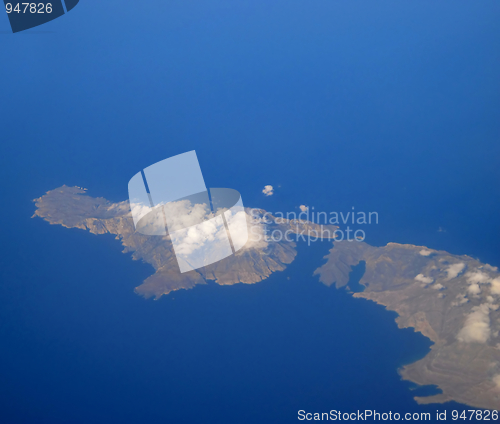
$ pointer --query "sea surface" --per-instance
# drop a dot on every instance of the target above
(82, 347)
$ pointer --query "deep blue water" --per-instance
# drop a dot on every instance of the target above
(355, 276)
(83, 348)
(386, 106)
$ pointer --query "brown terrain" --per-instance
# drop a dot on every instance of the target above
(464, 361)
(72, 208)
(453, 300)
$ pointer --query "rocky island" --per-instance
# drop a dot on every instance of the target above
(72, 208)
(453, 300)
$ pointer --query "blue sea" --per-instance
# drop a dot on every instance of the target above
(385, 106)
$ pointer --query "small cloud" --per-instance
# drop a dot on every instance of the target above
(303, 208)
(474, 289)
(496, 379)
(441, 296)
(477, 325)
(424, 279)
(462, 298)
(438, 286)
(268, 190)
(441, 230)
(454, 270)
(425, 252)
(477, 277)
(495, 286)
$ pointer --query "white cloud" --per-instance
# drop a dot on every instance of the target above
(425, 252)
(256, 235)
(303, 208)
(184, 214)
(237, 224)
(477, 277)
(454, 270)
(490, 268)
(441, 295)
(490, 299)
(462, 298)
(268, 190)
(424, 279)
(474, 289)
(495, 286)
(477, 325)
(496, 380)
(139, 210)
(438, 286)
(194, 239)
(199, 238)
